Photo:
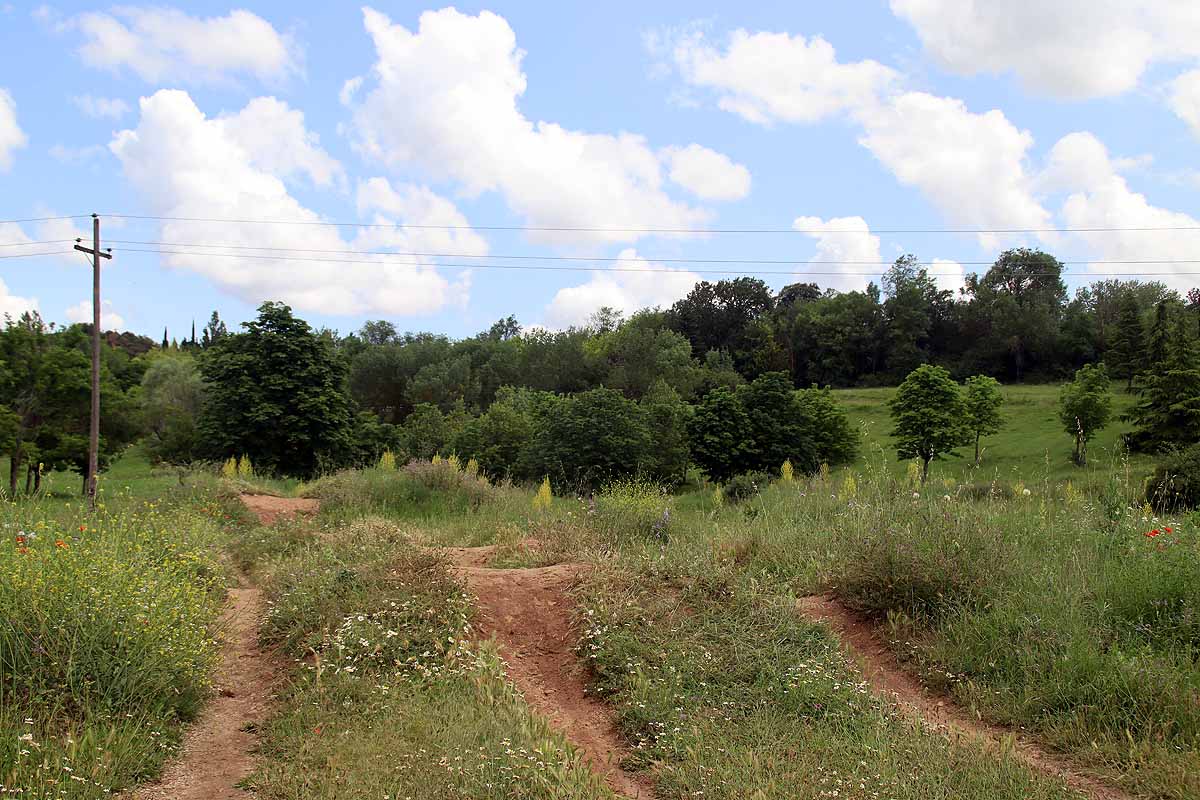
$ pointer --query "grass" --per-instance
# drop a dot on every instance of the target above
(389, 698)
(106, 645)
(1032, 446)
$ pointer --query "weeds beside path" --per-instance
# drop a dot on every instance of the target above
(887, 677)
(527, 612)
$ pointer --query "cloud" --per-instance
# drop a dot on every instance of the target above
(274, 137)
(100, 107)
(13, 306)
(1066, 48)
(76, 155)
(971, 166)
(1184, 99)
(948, 275)
(109, 319)
(707, 173)
(166, 45)
(842, 240)
(764, 77)
(1101, 198)
(631, 283)
(445, 98)
(11, 136)
(185, 164)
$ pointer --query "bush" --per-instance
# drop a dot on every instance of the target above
(633, 508)
(746, 485)
(420, 489)
(1175, 484)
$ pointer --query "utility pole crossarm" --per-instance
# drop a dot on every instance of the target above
(91, 252)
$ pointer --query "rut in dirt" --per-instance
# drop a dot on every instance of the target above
(527, 611)
(888, 678)
(218, 748)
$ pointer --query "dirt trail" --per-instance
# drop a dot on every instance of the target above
(887, 677)
(269, 508)
(217, 752)
(527, 611)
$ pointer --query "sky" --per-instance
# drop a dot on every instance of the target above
(397, 161)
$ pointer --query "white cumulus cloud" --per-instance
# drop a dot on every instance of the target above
(947, 274)
(109, 319)
(11, 136)
(1065, 48)
(12, 305)
(185, 164)
(445, 98)
(165, 44)
(100, 107)
(767, 76)
(1101, 198)
(845, 249)
(276, 141)
(707, 173)
(1184, 99)
(631, 283)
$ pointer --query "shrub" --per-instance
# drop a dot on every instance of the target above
(746, 485)
(420, 489)
(633, 508)
(1175, 484)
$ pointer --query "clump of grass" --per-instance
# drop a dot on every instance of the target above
(632, 509)
(421, 489)
(107, 640)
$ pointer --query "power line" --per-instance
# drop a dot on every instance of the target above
(42, 219)
(527, 257)
(28, 244)
(35, 255)
(549, 268)
(566, 229)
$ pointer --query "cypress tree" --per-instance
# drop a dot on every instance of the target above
(1129, 342)
(165, 343)
(1169, 412)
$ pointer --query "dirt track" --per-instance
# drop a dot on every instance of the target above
(528, 612)
(887, 677)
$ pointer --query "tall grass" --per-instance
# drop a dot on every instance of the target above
(106, 639)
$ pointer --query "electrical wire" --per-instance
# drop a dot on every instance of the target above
(567, 229)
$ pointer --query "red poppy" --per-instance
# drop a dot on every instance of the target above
(317, 729)
(1169, 530)
(20, 540)
(82, 528)
(1151, 534)
(60, 544)
(22, 550)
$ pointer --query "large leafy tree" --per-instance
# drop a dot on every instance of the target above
(717, 435)
(928, 416)
(171, 398)
(717, 316)
(277, 394)
(981, 403)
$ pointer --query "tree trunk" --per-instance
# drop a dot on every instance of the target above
(14, 465)
(924, 469)
(37, 480)
(29, 479)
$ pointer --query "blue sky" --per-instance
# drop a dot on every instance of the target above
(833, 123)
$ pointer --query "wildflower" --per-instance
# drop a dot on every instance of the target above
(60, 544)
(20, 540)
(1168, 530)
(916, 495)
(22, 550)
(1025, 492)
(82, 528)
(1152, 534)
(946, 497)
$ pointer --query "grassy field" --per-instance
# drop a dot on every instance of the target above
(1032, 446)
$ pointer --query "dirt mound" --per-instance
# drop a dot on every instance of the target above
(887, 677)
(269, 508)
(217, 750)
(527, 611)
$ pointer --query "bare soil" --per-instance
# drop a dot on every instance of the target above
(527, 611)
(218, 749)
(887, 677)
(269, 508)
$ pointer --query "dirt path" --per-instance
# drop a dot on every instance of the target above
(269, 508)
(887, 677)
(217, 751)
(527, 611)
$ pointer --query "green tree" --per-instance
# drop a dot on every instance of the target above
(276, 393)
(981, 403)
(1127, 352)
(496, 439)
(591, 439)
(171, 398)
(213, 332)
(928, 415)
(1168, 412)
(777, 429)
(1085, 407)
(717, 435)
(667, 416)
(426, 432)
(836, 441)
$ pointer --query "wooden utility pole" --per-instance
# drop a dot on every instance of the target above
(94, 431)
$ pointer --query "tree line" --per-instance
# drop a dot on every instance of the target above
(725, 378)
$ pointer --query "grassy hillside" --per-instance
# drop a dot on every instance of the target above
(1032, 447)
